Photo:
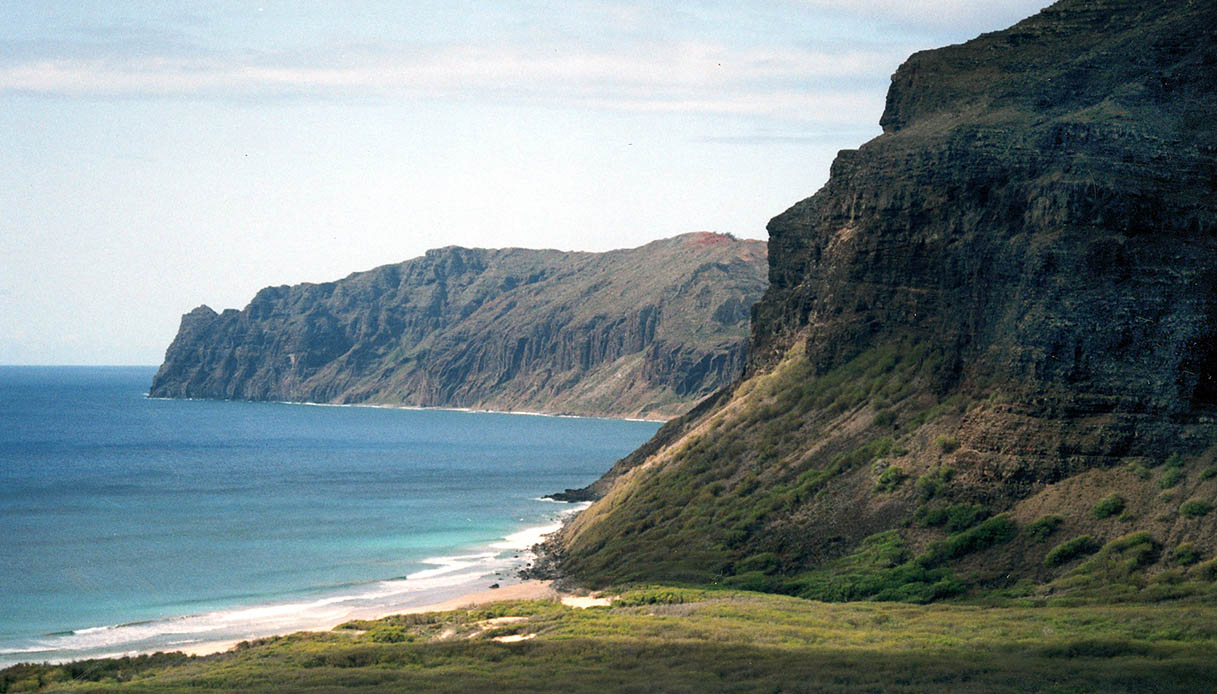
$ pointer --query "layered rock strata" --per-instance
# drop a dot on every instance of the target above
(643, 332)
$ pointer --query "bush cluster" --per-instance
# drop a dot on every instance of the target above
(947, 444)
(1109, 506)
(1195, 508)
(890, 479)
(1043, 527)
(1186, 554)
(1071, 549)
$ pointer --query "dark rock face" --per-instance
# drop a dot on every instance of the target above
(639, 332)
(1041, 208)
(1010, 295)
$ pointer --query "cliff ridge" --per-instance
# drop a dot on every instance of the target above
(644, 332)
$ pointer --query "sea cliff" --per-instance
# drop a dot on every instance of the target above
(987, 356)
(642, 332)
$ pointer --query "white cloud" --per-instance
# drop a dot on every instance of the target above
(933, 14)
(684, 76)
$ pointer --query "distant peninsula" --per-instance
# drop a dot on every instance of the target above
(645, 332)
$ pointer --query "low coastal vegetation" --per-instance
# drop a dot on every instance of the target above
(672, 639)
(753, 496)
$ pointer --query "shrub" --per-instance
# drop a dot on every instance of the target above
(1170, 477)
(1140, 470)
(964, 516)
(765, 562)
(755, 581)
(955, 518)
(1043, 527)
(1209, 472)
(1174, 460)
(935, 482)
(1131, 551)
(1195, 508)
(1208, 570)
(1186, 554)
(930, 516)
(890, 478)
(1109, 506)
(993, 531)
(659, 596)
(1071, 549)
(389, 635)
(947, 444)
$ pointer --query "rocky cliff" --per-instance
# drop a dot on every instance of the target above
(994, 318)
(643, 332)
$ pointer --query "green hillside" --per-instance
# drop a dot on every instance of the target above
(985, 363)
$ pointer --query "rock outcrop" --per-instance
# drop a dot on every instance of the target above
(1007, 303)
(643, 332)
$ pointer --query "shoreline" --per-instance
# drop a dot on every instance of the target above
(450, 588)
(464, 591)
(531, 589)
(423, 408)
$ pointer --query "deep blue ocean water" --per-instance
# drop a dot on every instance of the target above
(133, 524)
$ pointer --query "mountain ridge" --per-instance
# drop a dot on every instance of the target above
(999, 313)
(642, 332)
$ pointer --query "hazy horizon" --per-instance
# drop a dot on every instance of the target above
(159, 156)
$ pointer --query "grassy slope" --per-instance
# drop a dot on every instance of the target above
(856, 485)
(680, 640)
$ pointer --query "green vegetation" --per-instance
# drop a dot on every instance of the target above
(891, 478)
(682, 640)
(935, 482)
(1109, 506)
(1121, 572)
(1171, 477)
(881, 569)
(1186, 554)
(1195, 508)
(955, 518)
(1070, 550)
(696, 517)
(946, 444)
(1043, 527)
(993, 531)
(1209, 472)
(956, 403)
(1173, 473)
(388, 634)
(884, 569)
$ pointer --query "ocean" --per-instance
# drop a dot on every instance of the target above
(130, 524)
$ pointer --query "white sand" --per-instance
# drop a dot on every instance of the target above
(528, 590)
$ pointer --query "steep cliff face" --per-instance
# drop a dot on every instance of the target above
(1004, 306)
(640, 332)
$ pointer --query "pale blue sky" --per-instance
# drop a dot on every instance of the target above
(155, 156)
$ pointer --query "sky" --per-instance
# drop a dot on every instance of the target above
(155, 156)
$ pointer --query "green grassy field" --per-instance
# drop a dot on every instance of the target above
(687, 640)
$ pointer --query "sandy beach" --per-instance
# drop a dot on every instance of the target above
(528, 590)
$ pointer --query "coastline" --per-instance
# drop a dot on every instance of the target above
(532, 589)
(424, 408)
(447, 586)
(317, 534)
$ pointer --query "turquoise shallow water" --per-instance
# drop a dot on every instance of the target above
(130, 524)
